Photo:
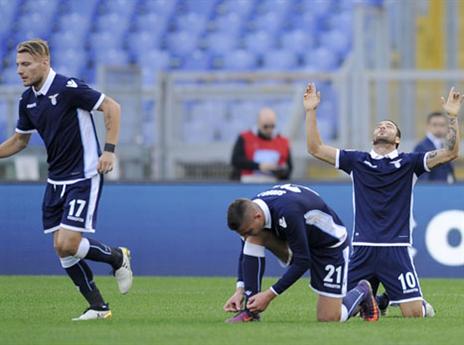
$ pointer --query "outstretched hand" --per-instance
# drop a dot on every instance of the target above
(452, 105)
(311, 98)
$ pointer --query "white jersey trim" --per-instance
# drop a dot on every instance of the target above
(407, 300)
(50, 230)
(425, 162)
(369, 244)
(29, 131)
(328, 294)
(99, 102)
(94, 191)
(89, 142)
(75, 228)
(65, 182)
(337, 159)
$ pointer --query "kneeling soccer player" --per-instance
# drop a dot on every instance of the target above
(300, 229)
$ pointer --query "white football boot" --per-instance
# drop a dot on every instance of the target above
(123, 274)
(92, 314)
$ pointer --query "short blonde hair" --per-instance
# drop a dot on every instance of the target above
(35, 47)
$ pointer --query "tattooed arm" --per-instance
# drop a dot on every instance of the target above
(451, 151)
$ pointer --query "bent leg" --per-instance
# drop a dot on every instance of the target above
(329, 308)
(412, 309)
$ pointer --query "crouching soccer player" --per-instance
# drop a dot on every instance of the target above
(295, 217)
(59, 108)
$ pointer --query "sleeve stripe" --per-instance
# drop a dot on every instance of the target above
(274, 291)
(425, 162)
(25, 131)
(99, 102)
(337, 159)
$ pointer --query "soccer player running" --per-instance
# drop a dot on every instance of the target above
(297, 225)
(59, 109)
(383, 181)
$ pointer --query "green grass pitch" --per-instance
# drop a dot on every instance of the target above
(162, 310)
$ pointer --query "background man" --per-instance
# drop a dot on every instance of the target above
(297, 217)
(383, 181)
(262, 156)
(59, 108)
(435, 138)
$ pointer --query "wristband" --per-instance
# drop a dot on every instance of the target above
(109, 148)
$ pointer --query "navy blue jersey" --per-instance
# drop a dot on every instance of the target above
(299, 216)
(61, 112)
(383, 199)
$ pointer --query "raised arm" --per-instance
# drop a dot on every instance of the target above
(17, 142)
(452, 105)
(112, 118)
(314, 144)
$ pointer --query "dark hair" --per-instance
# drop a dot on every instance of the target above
(434, 114)
(398, 131)
(236, 213)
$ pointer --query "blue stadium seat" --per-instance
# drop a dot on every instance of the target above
(151, 62)
(72, 59)
(191, 22)
(75, 22)
(230, 23)
(121, 7)
(240, 59)
(203, 7)
(337, 41)
(320, 8)
(10, 76)
(196, 61)
(103, 41)
(297, 41)
(69, 39)
(68, 70)
(182, 43)
(162, 7)
(242, 7)
(140, 41)
(342, 21)
(279, 60)
(34, 22)
(111, 57)
(321, 59)
(86, 8)
(46, 8)
(114, 23)
(259, 42)
(220, 43)
(271, 22)
(153, 22)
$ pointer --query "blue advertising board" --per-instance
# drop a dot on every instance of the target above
(180, 229)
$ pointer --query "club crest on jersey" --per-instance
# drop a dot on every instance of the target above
(53, 100)
(397, 163)
(283, 223)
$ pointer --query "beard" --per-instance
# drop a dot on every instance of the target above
(383, 140)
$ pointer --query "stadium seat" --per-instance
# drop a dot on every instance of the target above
(203, 7)
(164, 8)
(191, 22)
(182, 43)
(34, 22)
(297, 41)
(220, 43)
(151, 22)
(75, 22)
(270, 22)
(111, 57)
(140, 41)
(279, 60)
(321, 59)
(70, 59)
(69, 39)
(239, 60)
(121, 7)
(242, 7)
(10, 76)
(151, 62)
(320, 8)
(114, 23)
(86, 8)
(197, 60)
(103, 41)
(259, 42)
(337, 41)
